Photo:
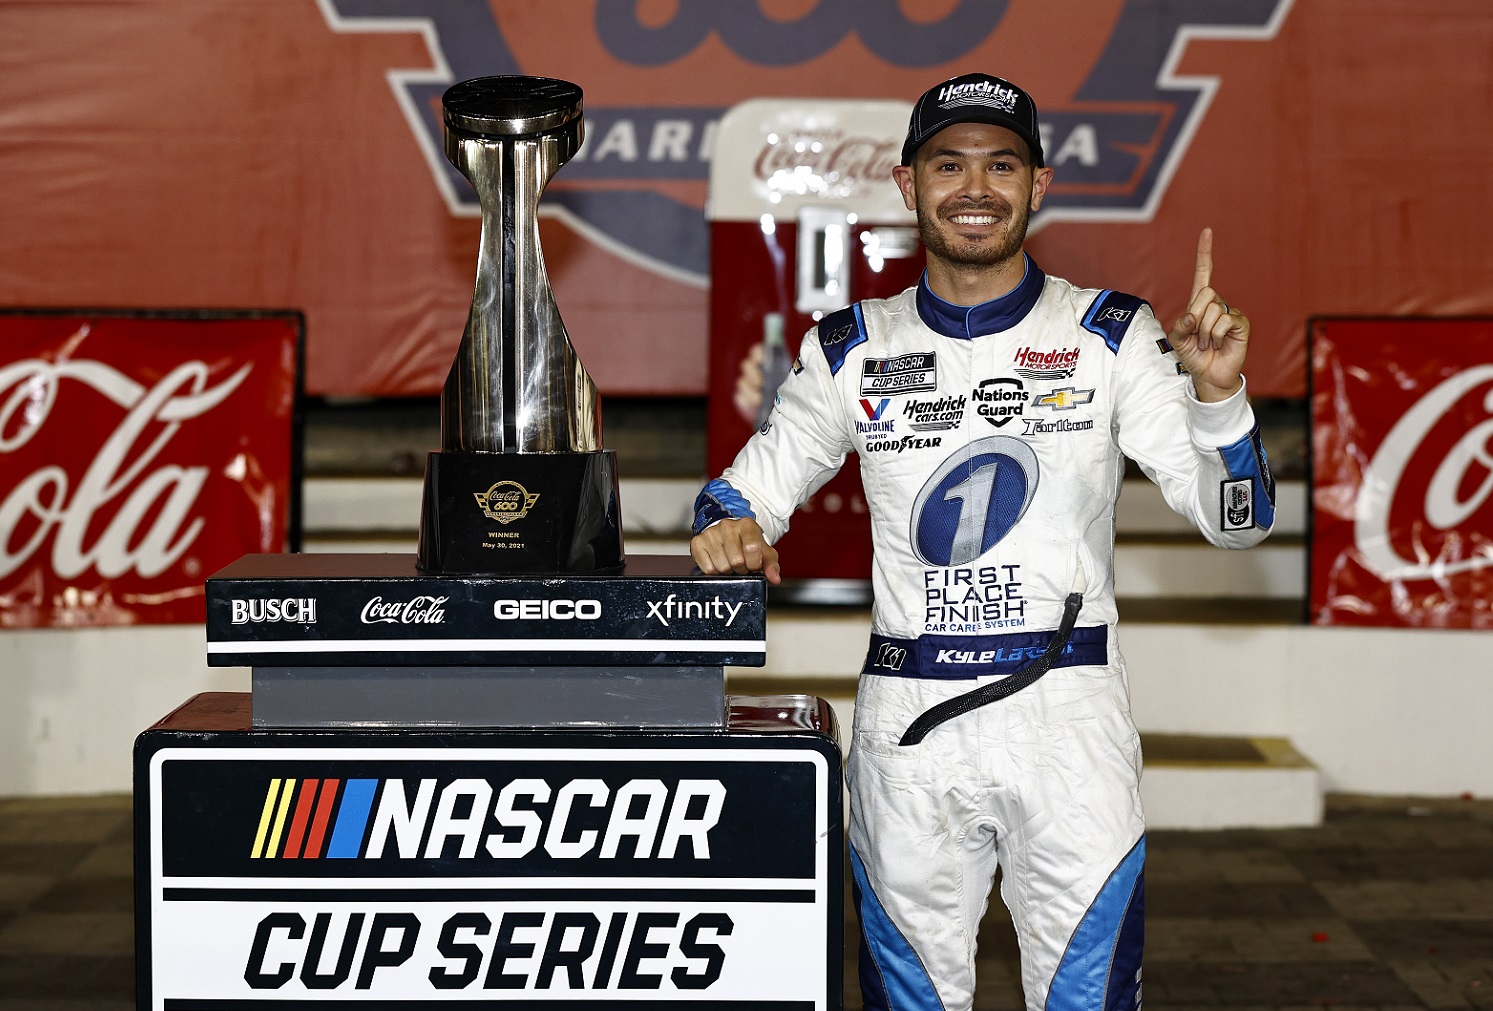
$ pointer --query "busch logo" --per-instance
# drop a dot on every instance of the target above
(423, 610)
(1461, 483)
(297, 610)
(124, 515)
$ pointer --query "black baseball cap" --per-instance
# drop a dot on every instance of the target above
(973, 98)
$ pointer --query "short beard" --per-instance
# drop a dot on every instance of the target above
(974, 254)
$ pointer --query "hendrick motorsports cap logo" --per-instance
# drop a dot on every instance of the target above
(506, 501)
(1116, 114)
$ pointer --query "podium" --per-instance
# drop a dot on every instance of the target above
(518, 789)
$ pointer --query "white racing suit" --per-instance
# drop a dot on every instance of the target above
(990, 441)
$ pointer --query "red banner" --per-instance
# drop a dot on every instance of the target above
(1402, 461)
(288, 153)
(138, 455)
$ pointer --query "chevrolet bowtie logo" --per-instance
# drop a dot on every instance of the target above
(1065, 399)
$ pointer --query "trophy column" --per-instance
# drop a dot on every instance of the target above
(521, 483)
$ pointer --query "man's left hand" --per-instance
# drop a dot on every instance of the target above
(1212, 336)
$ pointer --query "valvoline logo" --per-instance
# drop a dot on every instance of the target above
(657, 84)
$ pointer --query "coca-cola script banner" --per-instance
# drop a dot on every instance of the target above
(1402, 485)
(140, 453)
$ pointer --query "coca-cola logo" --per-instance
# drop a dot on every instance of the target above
(829, 163)
(129, 512)
(1437, 471)
(422, 610)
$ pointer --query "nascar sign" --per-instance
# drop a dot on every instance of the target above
(279, 867)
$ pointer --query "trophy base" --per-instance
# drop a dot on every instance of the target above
(498, 513)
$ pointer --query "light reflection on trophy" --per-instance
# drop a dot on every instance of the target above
(521, 483)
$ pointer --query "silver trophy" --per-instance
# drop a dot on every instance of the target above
(521, 483)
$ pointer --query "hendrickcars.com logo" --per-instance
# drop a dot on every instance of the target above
(635, 188)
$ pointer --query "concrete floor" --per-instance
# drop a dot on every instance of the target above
(1389, 904)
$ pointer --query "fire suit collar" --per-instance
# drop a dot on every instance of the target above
(966, 322)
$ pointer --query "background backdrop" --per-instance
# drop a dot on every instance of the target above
(283, 154)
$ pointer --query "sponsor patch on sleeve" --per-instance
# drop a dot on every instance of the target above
(914, 373)
(1238, 504)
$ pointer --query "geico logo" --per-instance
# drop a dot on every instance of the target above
(523, 949)
(552, 610)
(642, 819)
(297, 609)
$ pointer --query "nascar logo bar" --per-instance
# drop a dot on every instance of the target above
(503, 769)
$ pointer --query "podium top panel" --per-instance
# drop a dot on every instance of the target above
(318, 610)
(231, 712)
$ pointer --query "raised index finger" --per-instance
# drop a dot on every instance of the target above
(1202, 273)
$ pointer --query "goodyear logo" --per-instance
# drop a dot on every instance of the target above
(1116, 138)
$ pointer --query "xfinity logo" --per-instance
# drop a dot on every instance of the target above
(546, 610)
(672, 607)
(422, 610)
(299, 610)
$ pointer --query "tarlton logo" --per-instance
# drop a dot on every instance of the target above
(978, 93)
(1000, 400)
(935, 415)
(546, 609)
(506, 501)
(1060, 363)
(1036, 426)
(671, 607)
(1065, 398)
(422, 610)
(296, 610)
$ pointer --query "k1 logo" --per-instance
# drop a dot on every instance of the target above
(973, 500)
(1116, 117)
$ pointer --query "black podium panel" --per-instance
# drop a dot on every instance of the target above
(559, 870)
(367, 610)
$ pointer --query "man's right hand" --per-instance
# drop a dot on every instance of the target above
(735, 546)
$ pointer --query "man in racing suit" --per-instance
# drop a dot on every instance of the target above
(991, 407)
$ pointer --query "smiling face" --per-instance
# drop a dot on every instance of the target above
(973, 188)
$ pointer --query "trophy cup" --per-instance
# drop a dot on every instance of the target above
(521, 483)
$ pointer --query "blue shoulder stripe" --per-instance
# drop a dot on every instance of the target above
(1110, 314)
(1246, 461)
(840, 331)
